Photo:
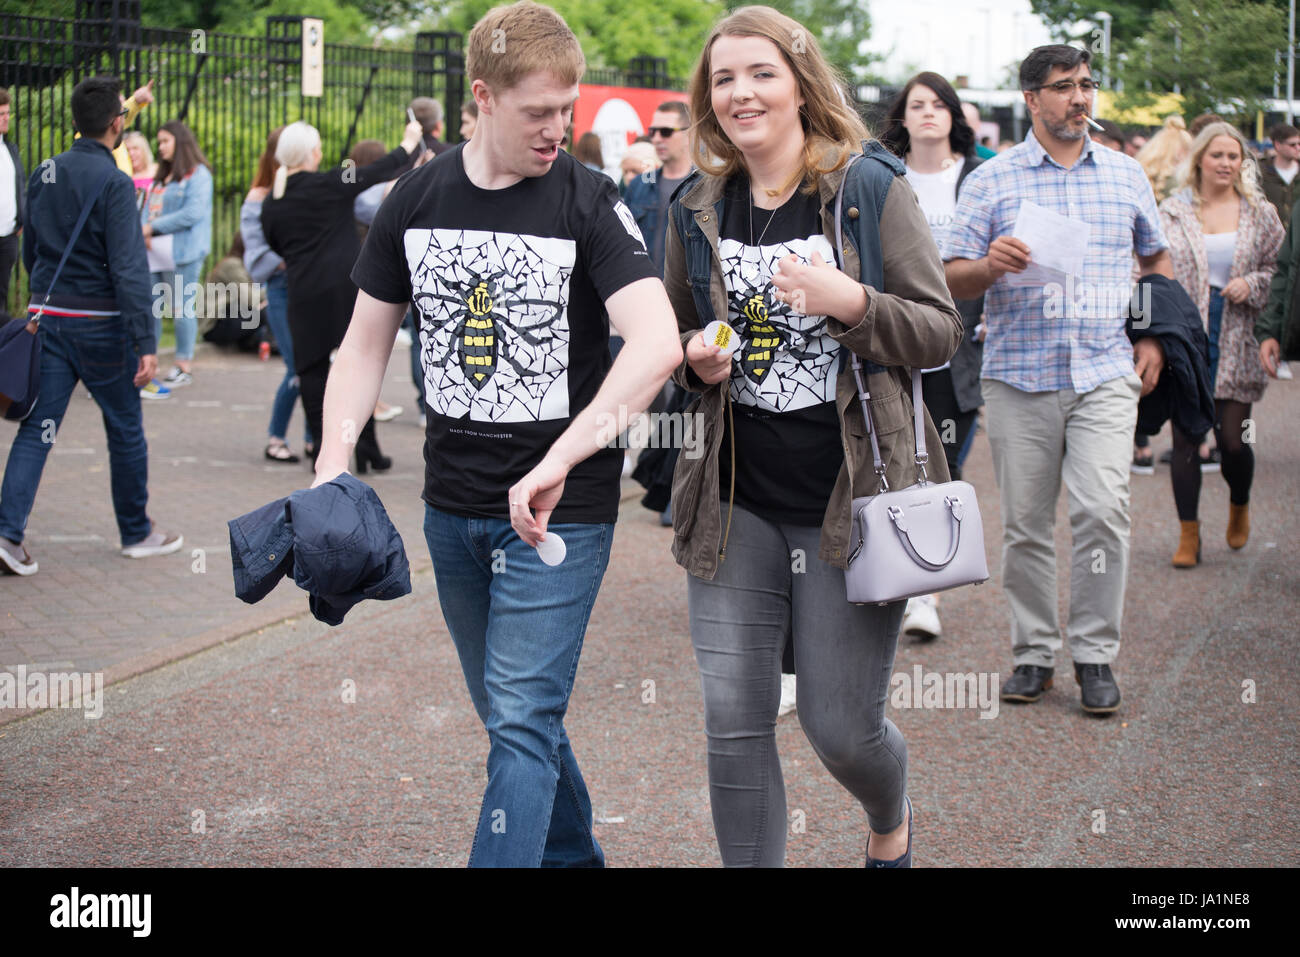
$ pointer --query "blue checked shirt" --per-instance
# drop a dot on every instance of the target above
(1067, 335)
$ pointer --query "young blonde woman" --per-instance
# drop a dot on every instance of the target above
(761, 520)
(1223, 238)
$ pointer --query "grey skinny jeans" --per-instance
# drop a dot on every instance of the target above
(771, 588)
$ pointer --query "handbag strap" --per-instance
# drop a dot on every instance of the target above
(76, 231)
(922, 456)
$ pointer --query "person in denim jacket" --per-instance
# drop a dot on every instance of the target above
(179, 205)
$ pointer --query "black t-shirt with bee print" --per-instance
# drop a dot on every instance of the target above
(508, 287)
(788, 452)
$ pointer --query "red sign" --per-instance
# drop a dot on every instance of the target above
(617, 114)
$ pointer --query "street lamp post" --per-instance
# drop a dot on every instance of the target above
(1105, 19)
(1290, 64)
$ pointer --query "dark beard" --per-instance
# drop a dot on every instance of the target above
(1064, 131)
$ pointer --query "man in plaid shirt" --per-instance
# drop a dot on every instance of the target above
(1060, 380)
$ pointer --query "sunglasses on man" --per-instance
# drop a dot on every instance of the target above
(664, 131)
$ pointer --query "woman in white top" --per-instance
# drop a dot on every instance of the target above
(927, 128)
(1223, 238)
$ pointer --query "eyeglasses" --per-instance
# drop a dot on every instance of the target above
(664, 131)
(125, 111)
(1067, 87)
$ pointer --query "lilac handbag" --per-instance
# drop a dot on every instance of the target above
(918, 540)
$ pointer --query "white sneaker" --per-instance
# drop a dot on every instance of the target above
(787, 696)
(921, 618)
(403, 338)
(158, 543)
(1284, 370)
(388, 413)
(15, 560)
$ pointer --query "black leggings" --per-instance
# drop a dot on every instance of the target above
(311, 386)
(953, 424)
(1238, 459)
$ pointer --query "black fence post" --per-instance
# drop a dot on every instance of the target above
(439, 72)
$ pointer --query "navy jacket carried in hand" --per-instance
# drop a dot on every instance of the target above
(1184, 393)
(336, 540)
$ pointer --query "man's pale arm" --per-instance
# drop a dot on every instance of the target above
(652, 350)
(355, 379)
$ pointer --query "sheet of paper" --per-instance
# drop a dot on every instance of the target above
(159, 253)
(1057, 245)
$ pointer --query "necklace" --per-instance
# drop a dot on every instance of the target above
(751, 220)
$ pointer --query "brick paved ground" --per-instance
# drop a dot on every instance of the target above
(88, 609)
(253, 732)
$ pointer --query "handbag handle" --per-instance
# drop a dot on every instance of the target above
(922, 457)
(955, 510)
(76, 231)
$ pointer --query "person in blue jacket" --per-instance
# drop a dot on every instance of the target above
(179, 205)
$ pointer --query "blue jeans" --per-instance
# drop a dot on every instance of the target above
(277, 317)
(1215, 322)
(99, 353)
(518, 627)
(182, 291)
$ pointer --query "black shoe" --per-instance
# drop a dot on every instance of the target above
(1099, 691)
(370, 457)
(1027, 684)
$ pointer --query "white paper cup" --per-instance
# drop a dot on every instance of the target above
(551, 549)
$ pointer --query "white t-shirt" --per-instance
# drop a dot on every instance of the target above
(937, 194)
(1218, 253)
(1287, 174)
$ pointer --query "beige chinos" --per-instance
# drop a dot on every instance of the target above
(1038, 439)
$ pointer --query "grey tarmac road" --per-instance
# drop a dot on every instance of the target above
(229, 737)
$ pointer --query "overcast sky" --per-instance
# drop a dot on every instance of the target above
(953, 37)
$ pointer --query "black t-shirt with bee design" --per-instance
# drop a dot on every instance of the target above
(508, 287)
(788, 451)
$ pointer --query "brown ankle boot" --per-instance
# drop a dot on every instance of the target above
(1189, 545)
(1238, 525)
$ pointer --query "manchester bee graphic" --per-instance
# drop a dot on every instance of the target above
(480, 330)
(761, 338)
(494, 326)
(786, 360)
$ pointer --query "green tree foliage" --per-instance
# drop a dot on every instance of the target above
(614, 31)
(1133, 18)
(840, 26)
(1217, 53)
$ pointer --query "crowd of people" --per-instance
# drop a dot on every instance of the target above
(544, 296)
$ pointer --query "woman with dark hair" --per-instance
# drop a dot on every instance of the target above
(749, 243)
(308, 220)
(264, 266)
(926, 128)
(179, 206)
